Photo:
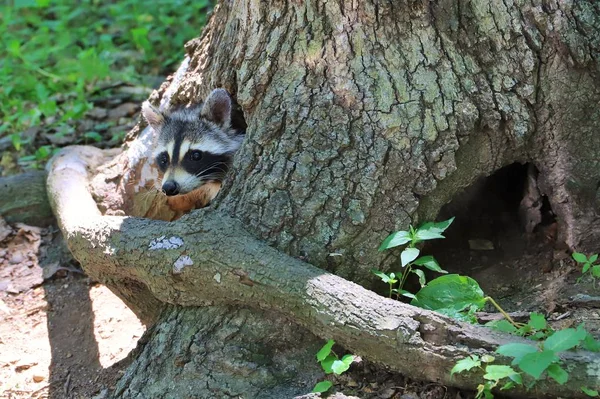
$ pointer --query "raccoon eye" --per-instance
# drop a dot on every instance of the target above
(196, 155)
(162, 160)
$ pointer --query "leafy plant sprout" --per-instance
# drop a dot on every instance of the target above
(588, 267)
(331, 363)
(533, 361)
(409, 257)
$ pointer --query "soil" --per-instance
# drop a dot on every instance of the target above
(61, 335)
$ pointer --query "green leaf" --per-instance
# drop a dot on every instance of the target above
(498, 372)
(534, 364)
(524, 330)
(348, 359)
(395, 239)
(408, 255)
(325, 350)
(564, 340)
(596, 271)
(322, 386)
(466, 315)
(579, 257)
(466, 364)
(558, 374)
(421, 276)
(16, 141)
(341, 366)
(516, 378)
(430, 263)
(590, 392)
(487, 358)
(537, 321)
(423, 235)
(450, 291)
(14, 48)
(507, 386)
(590, 343)
(386, 278)
(327, 363)
(484, 391)
(42, 153)
(407, 294)
(516, 351)
(593, 258)
(586, 267)
(97, 137)
(438, 227)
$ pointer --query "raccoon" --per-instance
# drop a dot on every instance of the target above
(194, 148)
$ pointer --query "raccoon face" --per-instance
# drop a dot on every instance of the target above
(195, 145)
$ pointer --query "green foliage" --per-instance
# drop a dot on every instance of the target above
(409, 257)
(534, 360)
(466, 364)
(322, 386)
(460, 297)
(536, 328)
(493, 374)
(544, 358)
(450, 292)
(331, 363)
(590, 392)
(57, 53)
(588, 266)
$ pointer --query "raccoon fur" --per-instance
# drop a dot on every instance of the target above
(194, 149)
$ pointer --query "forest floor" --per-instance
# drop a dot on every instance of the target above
(63, 336)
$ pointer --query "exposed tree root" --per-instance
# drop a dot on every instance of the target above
(207, 258)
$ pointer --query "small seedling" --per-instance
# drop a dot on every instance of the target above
(493, 375)
(590, 392)
(331, 363)
(532, 360)
(536, 328)
(588, 267)
(409, 257)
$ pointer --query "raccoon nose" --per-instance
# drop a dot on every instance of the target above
(170, 188)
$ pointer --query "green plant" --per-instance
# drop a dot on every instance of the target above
(458, 297)
(532, 360)
(536, 328)
(331, 363)
(590, 392)
(588, 267)
(493, 374)
(57, 55)
(409, 257)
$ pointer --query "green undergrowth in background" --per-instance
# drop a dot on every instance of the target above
(56, 54)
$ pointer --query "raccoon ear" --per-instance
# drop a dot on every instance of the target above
(217, 107)
(154, 117)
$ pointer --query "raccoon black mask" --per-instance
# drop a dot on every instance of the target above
(195, 145)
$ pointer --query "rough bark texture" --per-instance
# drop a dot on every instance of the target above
(220, 352)
(208, 259)
(363, 116)
(23, 199)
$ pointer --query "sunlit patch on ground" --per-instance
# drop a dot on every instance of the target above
(59, 337)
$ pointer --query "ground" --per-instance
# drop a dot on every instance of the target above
(64, 336)
(61, 335)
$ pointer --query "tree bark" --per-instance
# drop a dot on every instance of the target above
(210, 260)
(362, 117)
(23, 199)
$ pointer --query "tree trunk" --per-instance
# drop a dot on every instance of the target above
(362, 117)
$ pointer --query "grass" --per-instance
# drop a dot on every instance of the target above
(56, 53)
